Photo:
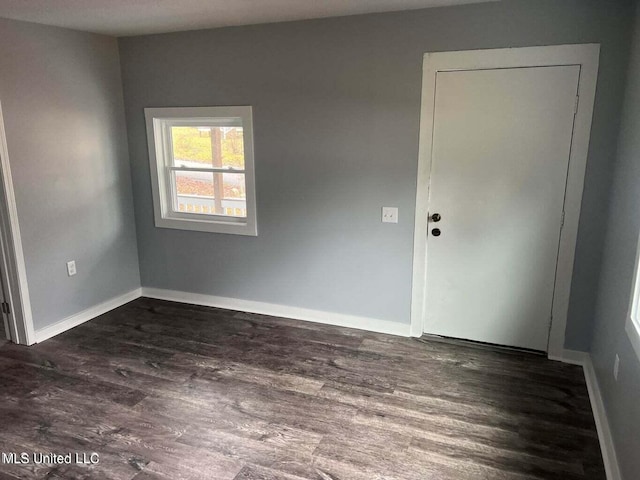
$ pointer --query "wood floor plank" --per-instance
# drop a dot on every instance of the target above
(476, 414)
(508, 460)
(163, 391)
(282, 455)
(255, 472)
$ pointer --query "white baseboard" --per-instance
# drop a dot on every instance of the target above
(599, 413)
(602, 423)
(574, 357)
(296, 313)
(85, 315)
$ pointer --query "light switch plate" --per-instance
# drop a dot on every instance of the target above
(389, 214)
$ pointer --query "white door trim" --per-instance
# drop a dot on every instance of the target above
(11, 255)
(587, 56)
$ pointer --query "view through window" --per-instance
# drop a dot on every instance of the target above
(633, 319)
(209, 170)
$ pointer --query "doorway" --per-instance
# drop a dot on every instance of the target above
(14, 300)
(4, 310)
(504, 137)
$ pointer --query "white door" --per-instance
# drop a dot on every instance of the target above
(501, 146)
(4, 304)
(3, 309)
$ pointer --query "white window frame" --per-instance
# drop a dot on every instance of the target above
(159, 121)
(633, 317)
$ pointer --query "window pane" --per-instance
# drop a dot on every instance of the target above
(221, 147)
(210, 193)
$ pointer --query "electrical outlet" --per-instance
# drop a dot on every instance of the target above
(616, 367)
(389, 215)
(71, 268)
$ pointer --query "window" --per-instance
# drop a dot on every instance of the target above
(633, 319)
(202, 171)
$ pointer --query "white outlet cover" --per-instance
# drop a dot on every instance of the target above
(389, 214)
(71, 268)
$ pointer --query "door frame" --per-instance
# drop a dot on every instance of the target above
(12, 265)
(587, 57)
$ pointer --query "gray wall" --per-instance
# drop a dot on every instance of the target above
(62, 100)
(336, 114)
(622, 398)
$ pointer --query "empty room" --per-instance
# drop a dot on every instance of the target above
(320, 240)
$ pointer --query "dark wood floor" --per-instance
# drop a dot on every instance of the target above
(167, 391)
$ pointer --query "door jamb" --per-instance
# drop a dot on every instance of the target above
(11, 255)
(585, 55)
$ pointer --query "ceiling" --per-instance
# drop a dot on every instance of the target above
(137, 17)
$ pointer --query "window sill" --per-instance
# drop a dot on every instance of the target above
(245, 228)
(633, 332)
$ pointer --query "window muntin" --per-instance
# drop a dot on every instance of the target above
(203, 160)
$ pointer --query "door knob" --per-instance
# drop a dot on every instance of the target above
(436, 217)
(435, 232)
